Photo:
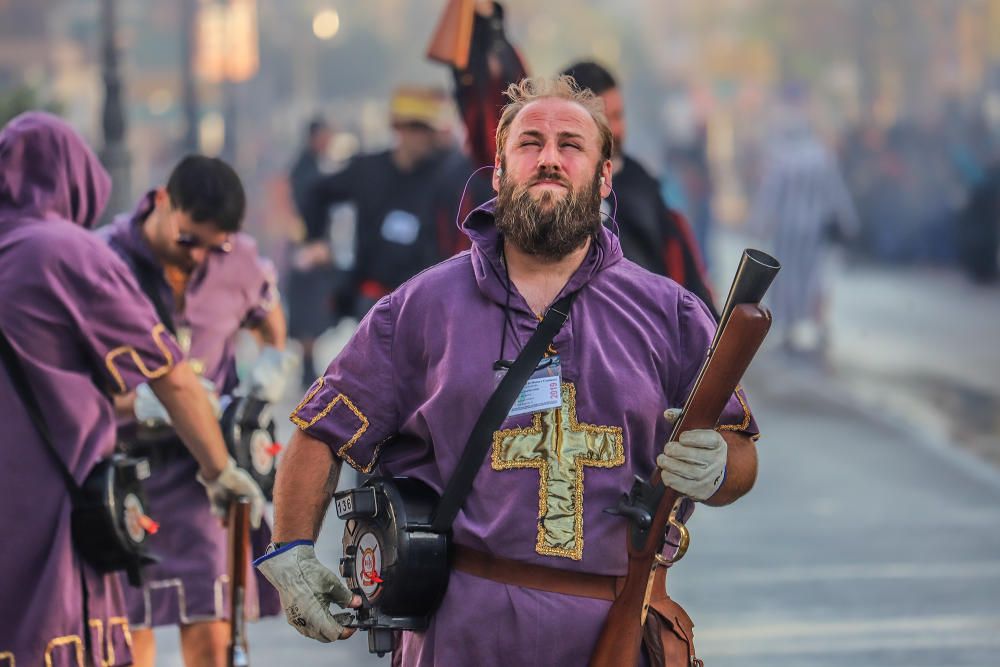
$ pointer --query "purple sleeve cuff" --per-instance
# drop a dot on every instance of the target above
(287, 547)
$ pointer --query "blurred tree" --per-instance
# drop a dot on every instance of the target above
(24, 98)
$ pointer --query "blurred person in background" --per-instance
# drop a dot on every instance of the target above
(312, 279)
(979, 226)
(204, 277)
(687, 184)
(407, 197)
(653, 235)
(493, 65)
(802, 207)
(82, 330)
(976, 157)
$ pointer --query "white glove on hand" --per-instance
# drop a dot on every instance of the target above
(695, 464)
(149, 411)
(270, 374)
(231, 483)
(147, 407)
(306, 588)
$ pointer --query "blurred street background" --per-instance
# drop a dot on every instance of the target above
(871, 537)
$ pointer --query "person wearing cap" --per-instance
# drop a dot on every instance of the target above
(407, 197)
(80, 328)
(203, 275)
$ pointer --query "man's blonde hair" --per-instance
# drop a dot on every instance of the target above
(562, 87)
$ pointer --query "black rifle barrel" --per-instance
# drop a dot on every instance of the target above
(753, 277)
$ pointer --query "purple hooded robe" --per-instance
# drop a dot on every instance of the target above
(83, 330)
(421, 366)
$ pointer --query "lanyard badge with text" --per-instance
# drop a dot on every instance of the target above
(542, 391)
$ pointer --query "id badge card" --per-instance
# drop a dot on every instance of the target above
(543, 391)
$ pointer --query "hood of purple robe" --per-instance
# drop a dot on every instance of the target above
(48, 171)
(481, 229)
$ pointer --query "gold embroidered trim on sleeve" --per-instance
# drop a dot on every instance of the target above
(63, 641)
(157, 333)
(342, 450)
(746, 415)
(342, 453)
(9, 657)
(294, 416)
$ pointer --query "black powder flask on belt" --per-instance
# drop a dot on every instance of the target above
(248, 428)
(392, 558)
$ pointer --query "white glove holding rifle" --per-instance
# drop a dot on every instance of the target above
(307, 588)
(694, 465)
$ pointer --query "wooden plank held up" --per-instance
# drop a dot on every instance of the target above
(453, 34)
(238, 654)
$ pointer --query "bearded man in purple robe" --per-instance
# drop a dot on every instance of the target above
(204, 276)
(81, 330)
(402, 398)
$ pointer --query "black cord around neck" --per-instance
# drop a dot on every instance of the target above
(506, 309)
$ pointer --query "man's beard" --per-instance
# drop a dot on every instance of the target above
(548, 226)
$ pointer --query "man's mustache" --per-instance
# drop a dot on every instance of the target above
(550, 178)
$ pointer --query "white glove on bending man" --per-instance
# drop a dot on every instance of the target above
(306, 588)
(695, 464)
(149, 411)
(269, 375)
(232, 483)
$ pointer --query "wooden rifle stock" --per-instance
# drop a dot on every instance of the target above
(453, 35)
(743, 328)
(239, 551)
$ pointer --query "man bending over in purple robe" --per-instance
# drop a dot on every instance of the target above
(79, 324)
(402, 398)
(184, 245)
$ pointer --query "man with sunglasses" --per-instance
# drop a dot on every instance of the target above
(206, 281)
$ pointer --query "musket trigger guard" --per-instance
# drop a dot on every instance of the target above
(682, 530)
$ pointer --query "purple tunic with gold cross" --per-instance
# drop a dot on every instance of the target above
(226, 292)
(82, 329)
(421, 366)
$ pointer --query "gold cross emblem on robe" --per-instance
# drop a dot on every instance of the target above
(560, 447)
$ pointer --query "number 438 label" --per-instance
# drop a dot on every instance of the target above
(542, 391)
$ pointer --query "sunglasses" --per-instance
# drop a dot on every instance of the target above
(186, 240)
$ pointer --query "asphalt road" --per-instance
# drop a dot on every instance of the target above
(860, 545)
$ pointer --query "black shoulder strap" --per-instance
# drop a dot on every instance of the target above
(147, 282)
(23, 389)
(493, 415)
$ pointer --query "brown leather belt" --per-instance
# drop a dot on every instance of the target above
(548, 579)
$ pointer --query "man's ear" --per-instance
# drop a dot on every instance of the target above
(497, 170)
(160, 198)
(161, 218)
(606, 175)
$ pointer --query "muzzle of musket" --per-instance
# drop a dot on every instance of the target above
(753, 277)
